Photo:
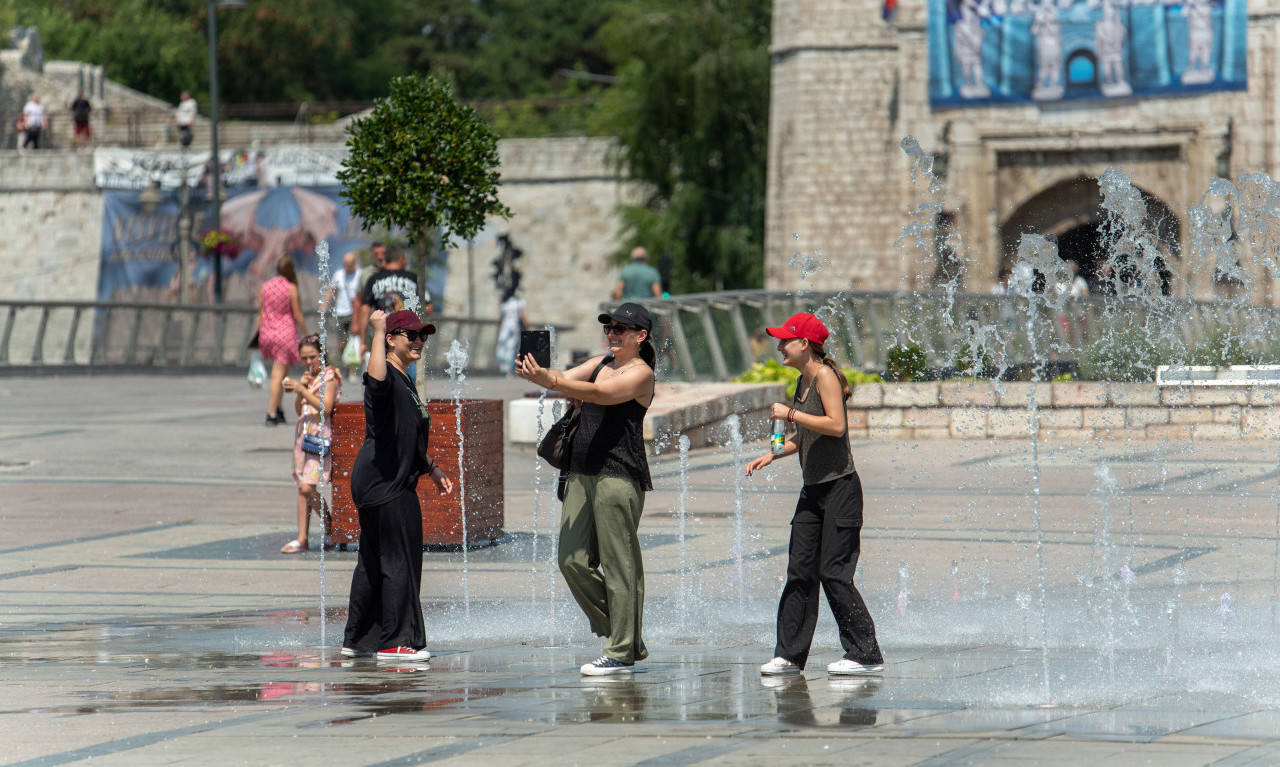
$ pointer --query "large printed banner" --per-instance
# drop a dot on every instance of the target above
(987, 52)
(276, 202)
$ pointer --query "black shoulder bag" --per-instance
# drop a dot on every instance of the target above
(556, 447)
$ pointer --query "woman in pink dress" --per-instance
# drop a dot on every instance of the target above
(279, 325)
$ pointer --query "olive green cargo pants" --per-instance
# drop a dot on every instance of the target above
(600, 559)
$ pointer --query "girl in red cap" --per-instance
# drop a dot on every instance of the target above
(827, 526)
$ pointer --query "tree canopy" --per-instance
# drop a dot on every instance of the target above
(422, 161)
(692, 112)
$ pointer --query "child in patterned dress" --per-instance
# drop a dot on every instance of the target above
(317, 392)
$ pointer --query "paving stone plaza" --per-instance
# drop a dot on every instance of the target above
(149, 619)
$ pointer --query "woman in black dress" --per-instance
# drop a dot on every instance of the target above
(385, 612)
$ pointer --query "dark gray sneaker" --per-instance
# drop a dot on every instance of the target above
(604, 666)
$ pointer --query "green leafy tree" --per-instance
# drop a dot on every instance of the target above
(691, 110)
(424, 163)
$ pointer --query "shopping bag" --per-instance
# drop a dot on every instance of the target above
(257, 370)
(351, 353)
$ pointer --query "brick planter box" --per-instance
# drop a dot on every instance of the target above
(441, 515)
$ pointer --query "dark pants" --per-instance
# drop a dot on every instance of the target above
(32, 139)
(825, 539)
(385, 609)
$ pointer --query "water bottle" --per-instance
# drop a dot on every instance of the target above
(778, 445)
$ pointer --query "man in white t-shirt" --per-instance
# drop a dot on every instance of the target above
(184, 116)
(32, 122)
(344, 288)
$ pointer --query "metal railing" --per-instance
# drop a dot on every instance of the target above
(88, 336)
(718, 336)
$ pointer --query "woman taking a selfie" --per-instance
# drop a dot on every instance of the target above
(608, 476)
(827, 526)
(385, 611)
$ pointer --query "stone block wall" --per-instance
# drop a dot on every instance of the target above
(1063, 411)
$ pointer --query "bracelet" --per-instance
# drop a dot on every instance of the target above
(555, 381)
(791, 415)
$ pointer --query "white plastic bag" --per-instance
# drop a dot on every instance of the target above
(351, 353)
(257, 370)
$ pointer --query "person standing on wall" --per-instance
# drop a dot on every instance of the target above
(384, 616)
(80, 110)
(184, 117)
(638, 279)
(608, 476)
(827, 526)
(32, 122)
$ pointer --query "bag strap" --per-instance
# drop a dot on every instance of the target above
(607, 359)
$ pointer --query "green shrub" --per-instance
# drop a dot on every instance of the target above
(905, 363)
(1221, 348)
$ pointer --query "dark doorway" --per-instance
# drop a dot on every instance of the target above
(1083, 245)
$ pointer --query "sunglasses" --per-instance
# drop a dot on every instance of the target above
(413, 335)
(619, 329)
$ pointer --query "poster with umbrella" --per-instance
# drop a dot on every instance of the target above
(279, 220)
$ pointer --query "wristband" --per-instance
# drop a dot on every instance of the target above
(791, 415)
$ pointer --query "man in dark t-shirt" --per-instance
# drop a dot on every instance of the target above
(391, 289)
(80, 109)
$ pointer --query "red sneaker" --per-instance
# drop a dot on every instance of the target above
(403, 653)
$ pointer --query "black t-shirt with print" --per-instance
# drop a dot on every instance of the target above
(394, 453)
(392, 290)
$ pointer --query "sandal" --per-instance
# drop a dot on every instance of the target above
(293, 547)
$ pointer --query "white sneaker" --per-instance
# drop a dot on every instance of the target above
(779, 667)
(606, 666)
(846, 667)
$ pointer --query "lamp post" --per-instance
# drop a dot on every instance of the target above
(216, 177)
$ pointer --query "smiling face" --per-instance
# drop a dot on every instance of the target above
(794, 351)
(406, 345)
(621, 336)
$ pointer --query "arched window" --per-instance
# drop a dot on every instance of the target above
(1082, 71)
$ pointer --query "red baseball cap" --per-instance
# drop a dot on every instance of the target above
(802, 325)
(407, 319)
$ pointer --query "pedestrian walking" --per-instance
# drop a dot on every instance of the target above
(599, 551)
(827, 525)
(317, 396)
(384, 615)
(280, 323)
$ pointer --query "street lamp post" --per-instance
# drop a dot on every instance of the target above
(216, 177)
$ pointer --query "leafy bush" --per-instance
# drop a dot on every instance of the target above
(1221, 348)
(905, 363)
(772, 371)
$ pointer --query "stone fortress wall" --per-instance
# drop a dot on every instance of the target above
(847, 88)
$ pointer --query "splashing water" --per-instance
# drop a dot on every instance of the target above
(324, 489)
(457, 357)
(734, 425)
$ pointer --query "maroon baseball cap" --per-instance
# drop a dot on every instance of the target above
(802, 325)
(407, 319)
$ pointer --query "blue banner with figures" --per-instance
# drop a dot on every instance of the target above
(991, 52)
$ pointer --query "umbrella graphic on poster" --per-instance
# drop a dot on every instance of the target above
(279, 220)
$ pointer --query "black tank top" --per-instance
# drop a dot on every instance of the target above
(610, 442)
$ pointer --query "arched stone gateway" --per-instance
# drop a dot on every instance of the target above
(1071, 211)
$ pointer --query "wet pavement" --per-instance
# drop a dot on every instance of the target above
(148, 618)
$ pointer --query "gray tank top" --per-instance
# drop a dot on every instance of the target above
(822, 458)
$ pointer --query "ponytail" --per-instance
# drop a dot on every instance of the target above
(830, 362)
